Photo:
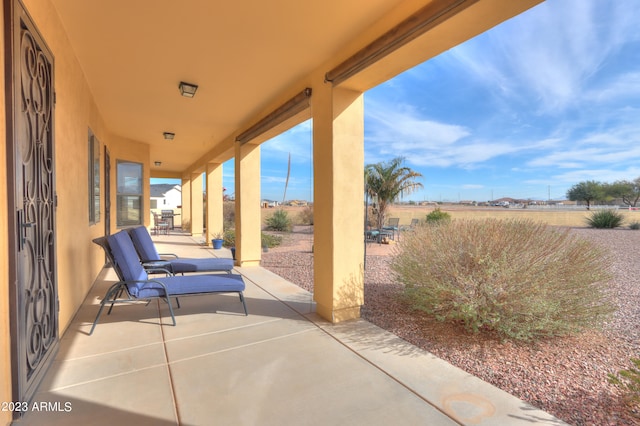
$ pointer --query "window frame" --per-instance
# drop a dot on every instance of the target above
(129, 192)
(93, 178)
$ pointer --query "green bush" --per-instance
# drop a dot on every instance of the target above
(279, 221)
(271, 240)
(634, 225)
(438, 216)
(629, 382)
(518, 278)
(266, 239)
(606, 218)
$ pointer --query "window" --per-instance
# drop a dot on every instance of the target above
(129, 194)
(94, 179)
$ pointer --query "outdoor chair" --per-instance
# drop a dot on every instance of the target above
(371, 235)
(160, 225)
(393, 226)
(152, 260)
(135, 285)
(412, 225)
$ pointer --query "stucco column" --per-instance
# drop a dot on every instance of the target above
(197, 205)
(338, 209)
(185, 213)
(248, 216)
(215, 219)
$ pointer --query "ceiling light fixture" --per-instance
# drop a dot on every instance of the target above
(187, 90)
(169, 136)
(158, 163)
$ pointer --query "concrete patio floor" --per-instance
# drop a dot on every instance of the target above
(281, 365)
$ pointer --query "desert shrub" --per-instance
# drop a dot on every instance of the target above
(438, 216)
(606, 218)
(634, 225)
(229, 214)
(266, 239)
(279, 221)
(229, 238)
(305, 217)
(271, 241)
(518, 278)
(629, 382)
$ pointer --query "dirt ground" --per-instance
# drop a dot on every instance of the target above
(565, 376)
(551, 216)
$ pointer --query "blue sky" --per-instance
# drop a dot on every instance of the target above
(526, 110)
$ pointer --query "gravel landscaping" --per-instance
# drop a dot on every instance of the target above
(566, 377)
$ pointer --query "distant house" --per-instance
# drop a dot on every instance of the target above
(165, 197)
(269, 203)
(297, 203)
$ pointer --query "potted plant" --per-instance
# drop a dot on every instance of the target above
(217, 239)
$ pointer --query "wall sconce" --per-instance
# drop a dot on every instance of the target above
(158, 163)
(187, 89)
(169, 136)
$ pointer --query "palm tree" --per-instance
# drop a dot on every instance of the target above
(388, 181)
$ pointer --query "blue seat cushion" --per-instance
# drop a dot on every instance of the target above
(126, 257)
(144, 244)
(200, 265)
(148, 253)
(189, 284)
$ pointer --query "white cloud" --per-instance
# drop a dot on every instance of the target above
(551, 52)
(401, 125)
(398, 130)
(620, 87)
(602, 175)
(296, 141)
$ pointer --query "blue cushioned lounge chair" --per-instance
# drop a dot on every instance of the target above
(151, 259)
(135, 284)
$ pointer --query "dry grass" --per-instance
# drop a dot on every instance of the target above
(571, 218)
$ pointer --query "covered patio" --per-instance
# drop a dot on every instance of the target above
(100, 97)
(282, 364)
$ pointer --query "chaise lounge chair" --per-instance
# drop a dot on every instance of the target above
(393, 225)
(151, 259)
(135, 283)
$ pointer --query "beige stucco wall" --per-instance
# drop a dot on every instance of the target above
(197, 204)
(248, 218)
(338, 157)
(215, 219)
(79, 260)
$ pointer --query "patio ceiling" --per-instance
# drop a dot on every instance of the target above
(244, 55)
